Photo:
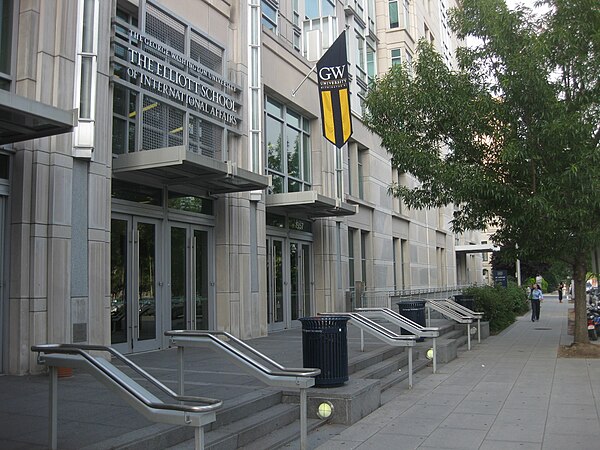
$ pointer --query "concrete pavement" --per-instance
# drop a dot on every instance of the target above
(509, 392)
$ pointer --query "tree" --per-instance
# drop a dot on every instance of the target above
(511, 137)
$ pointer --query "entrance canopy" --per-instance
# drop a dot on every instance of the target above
(22, 119)
(180, 167)
(476, 248)
(307, 205)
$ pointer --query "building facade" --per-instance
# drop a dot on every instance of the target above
(162, 167)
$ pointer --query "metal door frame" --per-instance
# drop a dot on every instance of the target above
(190, 281)
(132, 343)
(286, 241)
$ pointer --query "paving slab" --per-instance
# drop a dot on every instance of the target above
(509, 392)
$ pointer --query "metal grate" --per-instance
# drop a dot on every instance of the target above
(165, 28)
(206, 52)
(205, 138)
(162, 125)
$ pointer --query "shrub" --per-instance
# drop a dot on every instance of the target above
(500, 305)
(544, 285)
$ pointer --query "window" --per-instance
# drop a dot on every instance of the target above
(395, 251)
(406, 13)
(319, 8)
(361, 172)
(287, 142)
(351, 259)
(360, 57)
(371, 67)
(393, 13)
(6, 19)
(363, 255)
(396, 56)
(269, 15)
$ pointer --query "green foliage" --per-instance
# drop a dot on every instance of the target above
(500, 305)
(545, 285)
(511, 138)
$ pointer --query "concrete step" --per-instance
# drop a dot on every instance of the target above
(383, 368)
(282, 436)
(368, 359)
(255, 426)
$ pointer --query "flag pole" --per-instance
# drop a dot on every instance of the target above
(303, 80)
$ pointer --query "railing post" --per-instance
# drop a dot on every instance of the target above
(53, 413)
(199, 438)
(362, 340)
(410, 368)
(469, 336)
(434, 355)
(303, 420)
(180, 376)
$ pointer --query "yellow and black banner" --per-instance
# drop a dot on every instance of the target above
(332, 75)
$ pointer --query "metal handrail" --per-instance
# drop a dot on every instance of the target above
(81, 350)
(451, 314)
(409, 325)
(74, 355)
(381, 333)
(302, 378)
(213, 336)
(461, 309)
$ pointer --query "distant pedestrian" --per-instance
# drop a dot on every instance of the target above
(536, 297)
(561, 286)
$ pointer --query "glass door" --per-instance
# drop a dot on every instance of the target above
(289, 282)
(191, 288)
(135, 297)
(300, 281)
(275, 284)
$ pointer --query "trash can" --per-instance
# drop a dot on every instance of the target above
(415, 311)
(325, 346)
(468, 301)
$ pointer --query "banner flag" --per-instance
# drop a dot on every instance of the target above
(332, 76)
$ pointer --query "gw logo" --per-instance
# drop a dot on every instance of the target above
(335, 72)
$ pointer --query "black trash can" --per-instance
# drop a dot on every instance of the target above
(468, 301)
(415, 311)
(325, 346)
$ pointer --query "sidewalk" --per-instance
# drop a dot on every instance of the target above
(509, 392)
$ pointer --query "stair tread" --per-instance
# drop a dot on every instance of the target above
(282, 435)
(280, 412)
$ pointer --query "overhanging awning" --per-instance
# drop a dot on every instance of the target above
(177, 166)
(307, 204)
(22, 119)
(478, 248)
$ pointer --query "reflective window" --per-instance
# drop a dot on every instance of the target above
(269, 15)
(287, 148)
(190, 203)
(138, 193)
(393, 13)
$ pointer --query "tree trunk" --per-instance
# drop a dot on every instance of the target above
(580, 335)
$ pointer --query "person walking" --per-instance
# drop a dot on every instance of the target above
(561, 286)
(536, 297)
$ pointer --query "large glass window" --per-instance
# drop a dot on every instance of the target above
(393, 14)
(406, 13)
(287, 142)
(269, 14)
(396, 56)
(319, 8)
